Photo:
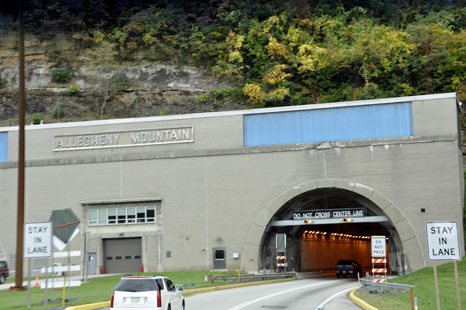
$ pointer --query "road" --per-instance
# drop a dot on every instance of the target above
(304, 294)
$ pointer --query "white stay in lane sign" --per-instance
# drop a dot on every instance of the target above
(37, 240)
(443, 241)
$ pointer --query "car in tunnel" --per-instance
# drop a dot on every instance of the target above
(346, 267)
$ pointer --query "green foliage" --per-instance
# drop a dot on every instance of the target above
(61, 76)
(120, 81)
(226, 92)
(57, 113)
(203, 98)
(36, 118)
(163, 112)
(2, 82)
(279, 52)
(73, 88)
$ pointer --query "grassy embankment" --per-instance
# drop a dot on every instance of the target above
(425, 289)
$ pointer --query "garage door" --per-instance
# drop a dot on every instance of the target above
(122, 255)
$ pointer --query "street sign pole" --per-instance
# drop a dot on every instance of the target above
(458, 297)
(436, 286)
(37, 243)
(443, 244)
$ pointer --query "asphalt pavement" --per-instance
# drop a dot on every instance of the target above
(339, 301)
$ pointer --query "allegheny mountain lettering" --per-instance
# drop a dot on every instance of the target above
(123, 138)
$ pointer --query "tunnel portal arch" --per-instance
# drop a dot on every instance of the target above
(329, 193)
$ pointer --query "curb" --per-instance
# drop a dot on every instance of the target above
(361, 302)
(96, 305)
(104, 304)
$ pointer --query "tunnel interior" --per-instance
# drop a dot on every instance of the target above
(317, 247)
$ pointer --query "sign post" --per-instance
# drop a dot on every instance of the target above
(443, 244)
(37, 243)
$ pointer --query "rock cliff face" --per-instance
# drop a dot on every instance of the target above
(93, 105)
(105, 91)
(85, 74)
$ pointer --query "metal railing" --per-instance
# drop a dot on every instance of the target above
(394, 286)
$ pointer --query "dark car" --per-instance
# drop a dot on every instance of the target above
(4, 272)
(346, 267)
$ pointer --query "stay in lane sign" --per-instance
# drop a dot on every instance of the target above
(37, 239)
(443, 241)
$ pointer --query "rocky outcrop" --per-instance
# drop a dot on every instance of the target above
(97, 104)
(149, 88)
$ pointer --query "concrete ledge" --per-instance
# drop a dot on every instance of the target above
(361, 302)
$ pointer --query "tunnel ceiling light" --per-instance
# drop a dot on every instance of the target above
(305, 231)
(347, 219)
(308, 221)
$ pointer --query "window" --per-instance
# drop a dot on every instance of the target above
(92, 217)
(114, 216)
(170, 285)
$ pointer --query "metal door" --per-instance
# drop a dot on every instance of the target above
(91, 265)
(122, 255)
(220, 261)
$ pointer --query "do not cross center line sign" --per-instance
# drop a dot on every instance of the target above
(443, 241)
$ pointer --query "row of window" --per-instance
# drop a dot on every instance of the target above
(113, 216)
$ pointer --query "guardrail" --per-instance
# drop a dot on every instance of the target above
(250, 277)
(394, 286)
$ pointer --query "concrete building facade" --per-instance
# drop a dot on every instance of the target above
(213, 190)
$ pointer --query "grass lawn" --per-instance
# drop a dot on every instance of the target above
(425, 289)
(96, 290)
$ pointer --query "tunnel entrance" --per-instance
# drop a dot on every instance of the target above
(317, 244)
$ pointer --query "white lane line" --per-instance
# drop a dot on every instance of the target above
(276, 294)
(322, 305)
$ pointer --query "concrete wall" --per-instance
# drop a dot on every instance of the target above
(216, 193)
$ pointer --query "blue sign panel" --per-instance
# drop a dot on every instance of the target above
(327, 125)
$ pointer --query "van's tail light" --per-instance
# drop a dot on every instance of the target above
(111, 300)
(159, 298)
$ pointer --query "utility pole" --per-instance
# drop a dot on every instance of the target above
(20, 222)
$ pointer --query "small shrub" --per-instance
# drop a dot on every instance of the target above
(227, 92)
(2, 82)
(73, 89)
(36, 118)
(120, 81)
(202, 98)
(163, 112)
(61, 76)
(57, 113)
